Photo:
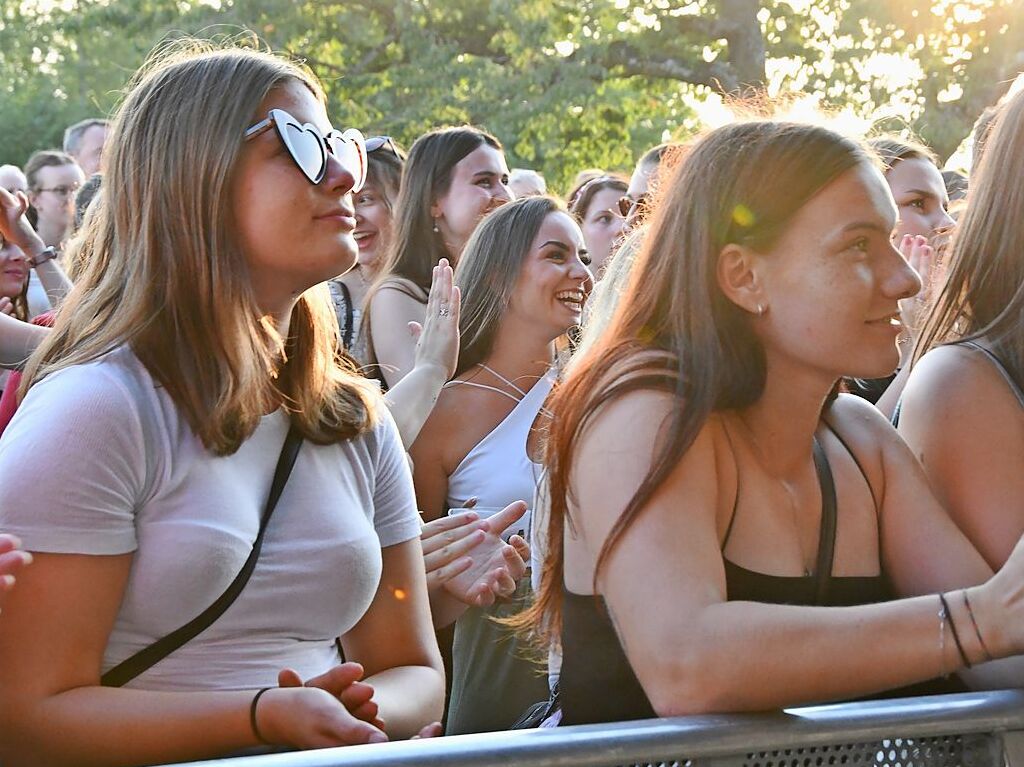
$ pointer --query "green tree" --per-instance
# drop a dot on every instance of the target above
(565, 84)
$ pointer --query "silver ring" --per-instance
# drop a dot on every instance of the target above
(444, 311)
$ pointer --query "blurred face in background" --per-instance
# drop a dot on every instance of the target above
(90, 149)
(602, 226)
(53, 197)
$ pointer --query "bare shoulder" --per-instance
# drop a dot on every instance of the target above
(863, 428)
(956, 378)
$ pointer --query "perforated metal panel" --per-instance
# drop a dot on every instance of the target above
(946, 751)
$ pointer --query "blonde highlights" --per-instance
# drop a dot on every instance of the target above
(163, 271)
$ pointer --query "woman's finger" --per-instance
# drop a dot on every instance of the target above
(442, 575)
(446, 523)
(451, 552)
(500, 522)
(434, 540)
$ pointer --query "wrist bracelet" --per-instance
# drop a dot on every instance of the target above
(952, 627)
(252, 716)
(977, 631)
(46, 254)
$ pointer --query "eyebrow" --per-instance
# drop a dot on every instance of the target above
(481, 173)
(872, 225)
(922, 193)
(559, 244)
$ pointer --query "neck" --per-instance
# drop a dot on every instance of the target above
(51, 234)
(518, 353)
(784, 419)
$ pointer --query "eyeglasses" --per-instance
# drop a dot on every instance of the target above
(309, 148)
(637, 208)
(385, 143)
(60, 191)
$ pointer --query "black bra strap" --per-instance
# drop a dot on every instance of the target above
(147, 657)
(835, 433)
(827, 535)
(1014, 386)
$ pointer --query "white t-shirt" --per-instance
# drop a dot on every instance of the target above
(125, 473)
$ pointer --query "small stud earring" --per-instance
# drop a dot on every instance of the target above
(436, 230)
(761, 310)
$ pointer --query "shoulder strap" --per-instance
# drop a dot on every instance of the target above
(128, 669)
(1003, 371)
(349, 332)
(827, 536)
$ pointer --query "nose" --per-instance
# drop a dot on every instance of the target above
(502, 194)
(944, 221)
(899, 280)
(337, 177)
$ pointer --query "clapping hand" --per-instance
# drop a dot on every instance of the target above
(495, 566)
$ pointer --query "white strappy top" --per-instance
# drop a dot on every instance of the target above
(498, 471)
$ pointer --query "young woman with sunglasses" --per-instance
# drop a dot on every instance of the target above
(452, 178)
(524, 274)
(703, 424)
(179, 362)
(963, 407)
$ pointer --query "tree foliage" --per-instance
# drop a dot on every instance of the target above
(565, 84)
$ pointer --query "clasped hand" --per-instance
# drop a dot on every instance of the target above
(335, 708)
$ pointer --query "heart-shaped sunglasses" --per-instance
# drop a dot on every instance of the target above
(309, 148)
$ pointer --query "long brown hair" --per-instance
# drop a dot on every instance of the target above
(674, 329)
(415, 247)
(489, 268)
(164, 272)
(984, 290)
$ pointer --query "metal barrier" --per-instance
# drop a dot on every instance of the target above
(969, 730)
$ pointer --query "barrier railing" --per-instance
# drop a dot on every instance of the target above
(968, 730)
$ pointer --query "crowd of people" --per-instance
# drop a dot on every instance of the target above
(309, 441)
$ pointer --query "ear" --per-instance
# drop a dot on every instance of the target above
(435, 210)
(739, 273)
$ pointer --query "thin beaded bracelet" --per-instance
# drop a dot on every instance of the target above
(952, 627)
(942, 640)
(977, 631)
(252, 716)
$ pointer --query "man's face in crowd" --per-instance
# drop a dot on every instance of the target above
(90, 150)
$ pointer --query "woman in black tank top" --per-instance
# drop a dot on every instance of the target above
(962, 411)
(725, 531)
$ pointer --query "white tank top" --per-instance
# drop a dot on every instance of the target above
(498, 471)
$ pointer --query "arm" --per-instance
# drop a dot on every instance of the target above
(964, 425)
(394, 641)
(15, 227)
(391, 310)
(18, 340)
(51, 643)
(437, 351)
(693, 651)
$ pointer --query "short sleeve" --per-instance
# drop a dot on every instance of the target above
(72, 465)
(395, 516)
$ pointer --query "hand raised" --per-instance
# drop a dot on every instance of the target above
(921, 257)
(438, 337)
(14, 225)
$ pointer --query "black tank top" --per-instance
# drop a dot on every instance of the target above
(597, 683)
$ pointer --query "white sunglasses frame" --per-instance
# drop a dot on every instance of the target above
(277, 118)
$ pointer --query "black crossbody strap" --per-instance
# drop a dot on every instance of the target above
(128, 669)
(827, 536)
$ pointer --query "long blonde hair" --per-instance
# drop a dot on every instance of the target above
(164, 271)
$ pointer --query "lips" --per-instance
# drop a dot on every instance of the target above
(340, 215)
(892, 321)
(364, 238)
